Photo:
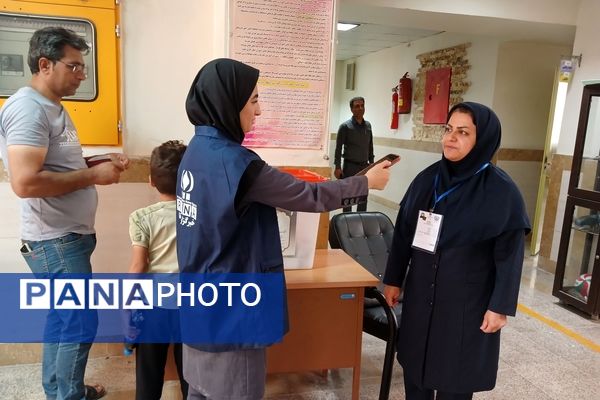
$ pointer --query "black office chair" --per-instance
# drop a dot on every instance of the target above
(367, 237)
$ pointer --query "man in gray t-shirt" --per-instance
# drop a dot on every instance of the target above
(32, 122)
(41, 151)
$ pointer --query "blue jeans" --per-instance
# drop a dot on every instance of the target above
(64, 362)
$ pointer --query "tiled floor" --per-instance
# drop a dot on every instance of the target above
(538, 362)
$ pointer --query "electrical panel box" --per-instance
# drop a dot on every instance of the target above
(95, 106)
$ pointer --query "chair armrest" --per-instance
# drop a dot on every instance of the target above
(374, 293)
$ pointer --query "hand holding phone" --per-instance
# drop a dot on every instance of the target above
(378, 173)
(99, 159)
(393, 158)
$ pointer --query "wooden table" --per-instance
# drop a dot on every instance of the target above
(325, 310)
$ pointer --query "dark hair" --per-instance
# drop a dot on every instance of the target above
(464, 110)
(352, 100)
(164, 163)
(50, 43)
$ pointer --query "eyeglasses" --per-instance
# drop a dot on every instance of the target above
(75, 67)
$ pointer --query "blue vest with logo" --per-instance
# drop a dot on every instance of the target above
(211, 237)
(218, 240)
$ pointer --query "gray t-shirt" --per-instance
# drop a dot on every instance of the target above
(28, 118)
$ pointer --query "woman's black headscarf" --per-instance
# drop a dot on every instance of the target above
(487, 142)
(219, 92)
(484, 205)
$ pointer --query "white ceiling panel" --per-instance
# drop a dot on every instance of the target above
(385, 26)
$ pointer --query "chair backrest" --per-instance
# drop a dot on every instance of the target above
(365, 236)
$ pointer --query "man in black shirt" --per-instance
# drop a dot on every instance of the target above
(356, 138)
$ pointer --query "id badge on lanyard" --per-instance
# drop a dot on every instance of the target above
(429, 224)
(427, 234)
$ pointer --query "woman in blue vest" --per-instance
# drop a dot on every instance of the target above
(461, 228)
(235, 229)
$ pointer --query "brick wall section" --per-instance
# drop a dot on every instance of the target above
(455, 57)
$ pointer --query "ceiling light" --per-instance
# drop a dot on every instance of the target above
(345, 26)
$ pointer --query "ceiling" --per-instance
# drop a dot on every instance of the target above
(383, 27)
(368, 38)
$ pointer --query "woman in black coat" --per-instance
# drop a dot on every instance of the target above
(457, 255)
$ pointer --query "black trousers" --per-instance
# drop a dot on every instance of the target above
(414, 392)
(151, 358)
(350, 169)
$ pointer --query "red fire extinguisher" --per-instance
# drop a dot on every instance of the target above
(404, 94)
(394, 123)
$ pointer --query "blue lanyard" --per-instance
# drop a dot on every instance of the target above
(437, 199)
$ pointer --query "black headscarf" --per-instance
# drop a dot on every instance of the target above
(484, 205)
(487, 143)
(219, 92)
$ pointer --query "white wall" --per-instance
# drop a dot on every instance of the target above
(164, 44)
(586, 43)
(113, 251)
(514, 78)
(523, 90)
(522, 95)
(339, 82)
(10, 232)
(377, 73)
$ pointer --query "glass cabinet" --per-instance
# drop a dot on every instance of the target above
(577, 279)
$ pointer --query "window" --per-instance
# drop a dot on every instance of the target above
(15, 32)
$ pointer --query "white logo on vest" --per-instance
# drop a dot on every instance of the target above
(186, 209)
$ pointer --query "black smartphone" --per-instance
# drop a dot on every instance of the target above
(26, 248)
(393, 158)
